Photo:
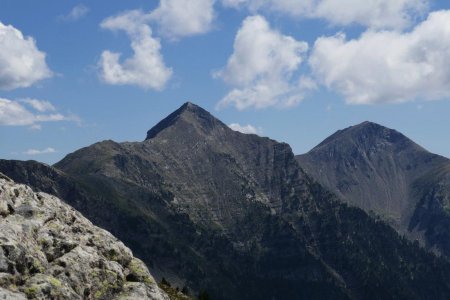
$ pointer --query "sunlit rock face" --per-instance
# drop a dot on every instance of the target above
(48, 250)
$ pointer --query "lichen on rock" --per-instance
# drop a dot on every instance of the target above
(48, 250)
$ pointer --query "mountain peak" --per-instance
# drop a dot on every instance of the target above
(190, 114)
(369, 125)
(189, 105)
(367, 133)
(364, 126)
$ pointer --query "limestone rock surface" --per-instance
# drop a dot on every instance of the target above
(48, 250)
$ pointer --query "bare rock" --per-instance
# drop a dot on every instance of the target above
(48, 250)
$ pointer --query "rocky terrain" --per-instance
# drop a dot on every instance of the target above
(431, 218)
(50, 251)
(233, 216)
(383, 172)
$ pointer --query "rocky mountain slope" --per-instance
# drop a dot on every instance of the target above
(50, 251)
(431, 218)
(234, 216)
(385, 173)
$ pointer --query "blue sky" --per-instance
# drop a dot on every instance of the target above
(292, 70)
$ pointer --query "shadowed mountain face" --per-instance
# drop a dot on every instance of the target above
(234, 214)
(209, 168)
(431, 216)
(383, 172)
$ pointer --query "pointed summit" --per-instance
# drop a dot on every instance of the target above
(189, 114)
(189, 106)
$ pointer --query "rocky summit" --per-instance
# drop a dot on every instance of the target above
(50, 251)
(389, 176)
(228, 216)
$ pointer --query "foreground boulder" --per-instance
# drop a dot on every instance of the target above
(48, 250)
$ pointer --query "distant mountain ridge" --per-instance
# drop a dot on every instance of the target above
(381, 171)
(235, 215)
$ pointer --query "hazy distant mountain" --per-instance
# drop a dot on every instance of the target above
(383, 172)
(234, 214)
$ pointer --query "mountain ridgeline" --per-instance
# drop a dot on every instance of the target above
(235, 216)
(383, 172)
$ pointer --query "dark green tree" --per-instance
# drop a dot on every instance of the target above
(185, 290)
(204, 296)
(165, 282)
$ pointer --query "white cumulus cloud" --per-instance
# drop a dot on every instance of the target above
(39, 152)
(387, 66)
(371, 13)
(247, 129)
(146, 68)
(181, 18)
(21, 63)
(262, 68)
(14, 113)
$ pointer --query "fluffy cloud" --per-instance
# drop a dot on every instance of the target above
(262, 67)
(146, 67)
(39, 105)
(371, 13)
(78, 12)
(180, 18)
(13, 113)
(21, 62)
(40, 152)
(247, 129)
(388, 66)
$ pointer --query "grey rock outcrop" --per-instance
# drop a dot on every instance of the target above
(9, 295)
(48, 250)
